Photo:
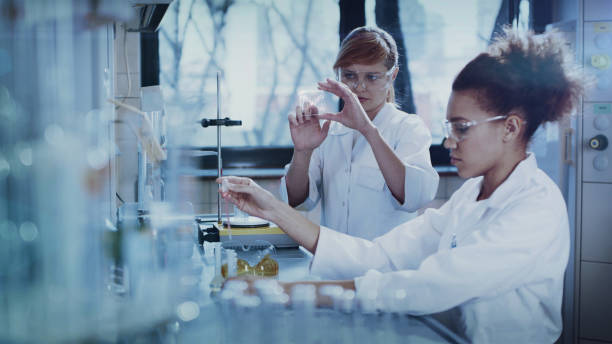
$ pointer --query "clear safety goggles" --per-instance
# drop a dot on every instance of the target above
(458, 130)
(369, 80)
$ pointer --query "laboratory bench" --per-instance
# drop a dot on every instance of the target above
(179, 307)
(222, 323)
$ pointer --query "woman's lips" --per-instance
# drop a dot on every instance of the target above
(454, 160)
(362, 99)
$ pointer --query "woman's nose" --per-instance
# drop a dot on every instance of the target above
(356, 84)
(449, 143)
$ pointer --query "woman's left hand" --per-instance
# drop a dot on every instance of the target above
(352, 115)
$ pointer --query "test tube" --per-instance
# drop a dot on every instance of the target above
(232, 260)
(368, 321)
(238, 286)
(347, 306)
(225, 323)
(273, 309)
(303, 302)
(217, 281)
(247, 317)
(208, 251)
(333, 294)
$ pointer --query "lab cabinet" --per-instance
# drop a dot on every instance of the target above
(593, 212)
(597, 133)
(596, 223)
(596, 304)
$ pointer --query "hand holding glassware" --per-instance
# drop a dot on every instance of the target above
(307, 99)
(352, 114)
(307, 133)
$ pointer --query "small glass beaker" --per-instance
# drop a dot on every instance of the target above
(322, 100)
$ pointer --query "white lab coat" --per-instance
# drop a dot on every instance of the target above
(504, 278)
(354, 196)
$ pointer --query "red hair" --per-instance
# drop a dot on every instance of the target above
(368, 45)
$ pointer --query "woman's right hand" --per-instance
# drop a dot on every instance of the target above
(254, 200)
(306, 131)
(248, 196)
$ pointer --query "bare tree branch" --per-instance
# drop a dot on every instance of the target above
(259, 132)
(187, 21)
(177, 52)
(201, 36)
(281, 126)
(269, 129)
(212, 61)
(303, 47)
(218, 26)
(176, 44)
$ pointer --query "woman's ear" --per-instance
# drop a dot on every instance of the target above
(513, 126)
(395, 72)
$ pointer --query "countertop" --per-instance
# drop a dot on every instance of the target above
(221, 323)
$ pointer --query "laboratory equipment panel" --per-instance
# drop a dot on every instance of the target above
(593, 259)
(597, 153)
(597, 58)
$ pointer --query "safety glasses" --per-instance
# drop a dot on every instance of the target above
(369, 80)
(458, 129)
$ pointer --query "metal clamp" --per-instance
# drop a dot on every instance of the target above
(205, 122)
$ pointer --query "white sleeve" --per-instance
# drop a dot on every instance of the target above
(421, 181)
(341, 256)
(526, 243)
(315, 174)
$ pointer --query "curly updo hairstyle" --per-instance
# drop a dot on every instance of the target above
(534, 75)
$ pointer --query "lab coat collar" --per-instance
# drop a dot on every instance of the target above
(346, 141)
(384, 112)
(520, 177)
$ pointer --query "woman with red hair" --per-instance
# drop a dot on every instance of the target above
(369, 172)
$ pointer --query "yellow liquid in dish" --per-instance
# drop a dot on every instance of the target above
(267, 267)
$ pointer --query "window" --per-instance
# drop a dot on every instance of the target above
(268, 50)
(441, 37)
